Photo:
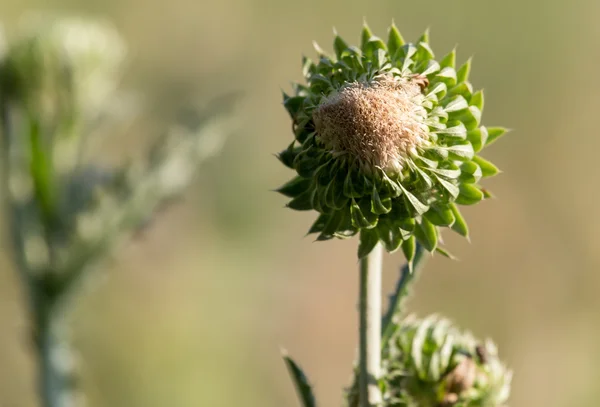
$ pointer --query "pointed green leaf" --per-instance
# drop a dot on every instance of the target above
(448, 186)
(459, 225)
(294, 187)
(418, 348)
(390, 236)
(444, 252)
(448, 75)
(471, 117)
(333, 224)
(293, 104)
(288, 155)
(440, 216)
(470, 172)
(477, 100)
(365, 35)
(462, 152)
(360, 218)
(368, 240)
(469, 195)
(308, 67)
(319, 224)
(456, 104)
(380, 206)
(303, 387)
(339, 45)
(419, 207)
(457, 131)
(409, 248)
(449, 60)
(424, 37)
(487, 168)
(431, 68)
(395, 40)
(463, 73)
(427, 234)
(478, 138)
(494, 133)
(302, 202)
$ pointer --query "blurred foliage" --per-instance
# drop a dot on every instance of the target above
(192, 313)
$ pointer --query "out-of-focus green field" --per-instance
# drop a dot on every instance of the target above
(194, 312)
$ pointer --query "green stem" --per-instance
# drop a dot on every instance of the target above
(370, 328)
(57, 380)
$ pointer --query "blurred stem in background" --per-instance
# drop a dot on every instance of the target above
(58, 82)
(370, 327)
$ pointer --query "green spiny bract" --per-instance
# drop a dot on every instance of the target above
(431, 363)
(386, 143)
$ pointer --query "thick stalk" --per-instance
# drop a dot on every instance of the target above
(370, 327)
(57, 386)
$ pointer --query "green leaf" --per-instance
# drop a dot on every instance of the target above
(294, 187)
(288, 155)
(462, 152)
(319, 224)
(471, 117)
(477, 100)
(302, 202)
(469, 195)
(448, 186)
(419, 207)
(440, 216)
(409, 248)
(445, 253)
(395, 40)
(463, 73)
(349, 185)
(459, 225)
(424, 37)
(449, 60)
(470, 172)
(456, 104)
(447, 75)
(339, 45)
(494, 133)
(390, 236)
(362, 219)
(308, 67)
(426, 233)
(418, 348)
(458, 131)
(477, 138)
(368, 240)
(303, 387)
(380, 206)
(293, 105)
(335, 221)
(365, 36)
(487, 168)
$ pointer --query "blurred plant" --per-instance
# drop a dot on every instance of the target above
(385, 146)
(59, 83)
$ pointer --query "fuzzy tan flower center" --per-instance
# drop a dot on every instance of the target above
(380, 123)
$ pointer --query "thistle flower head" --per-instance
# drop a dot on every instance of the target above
(378, 123)
(431, 363)
(385, 143)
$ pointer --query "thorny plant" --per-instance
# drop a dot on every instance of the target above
(59, 83)
(386, 145)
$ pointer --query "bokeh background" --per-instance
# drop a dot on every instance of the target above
(195, 310)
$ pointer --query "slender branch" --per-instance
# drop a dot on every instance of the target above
(396, 304)
(370, 327)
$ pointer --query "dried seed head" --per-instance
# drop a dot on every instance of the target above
(380, 123)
